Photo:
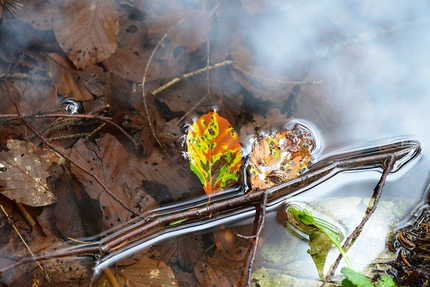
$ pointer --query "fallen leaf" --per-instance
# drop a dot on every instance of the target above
(38, 14)
(174, 174)
(214, 152)
(147, 272)
(24, 178)
(185, 249)
(131, 57)
(77, 216)
(63, 76)
(219, 271)
(280, 157)
(109, 161)
(87, 30)
(63, 271)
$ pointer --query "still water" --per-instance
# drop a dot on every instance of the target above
(359, 78)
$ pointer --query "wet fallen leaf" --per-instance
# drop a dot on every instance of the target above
(130, 58)
(174, 173)
(214, 152)
(280, 157)
(147, 272)
(219, 271)
(63, 76)
(109, 162)
(24, 178)
(69, 272)
(86, 31)
(38, 15)
(77, 216)
(185, 250)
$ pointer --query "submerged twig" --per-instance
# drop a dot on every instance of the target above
(373, 203)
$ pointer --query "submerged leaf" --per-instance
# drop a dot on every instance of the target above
(24, 172)
(147, 272)
(322, 235)
(215, 152)
(280, 157)
(87, 30)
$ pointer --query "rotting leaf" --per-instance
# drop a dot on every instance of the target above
(147, 272)
(214, 152)
(280, 157)
(59, 270)
(110, 163)
(61, 72)
(219, 271)
(185, 250)
(87, 30)
(130, 58)
(24, 178)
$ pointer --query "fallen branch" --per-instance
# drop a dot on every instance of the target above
(160, 224)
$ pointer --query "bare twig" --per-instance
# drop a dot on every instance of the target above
(57, 150)
(388, 167)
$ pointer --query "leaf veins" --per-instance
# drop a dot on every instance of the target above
(215, 152)
(87, 30)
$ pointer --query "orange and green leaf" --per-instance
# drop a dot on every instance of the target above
(280, 157)
(214, 152)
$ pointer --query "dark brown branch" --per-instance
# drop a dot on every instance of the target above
(155, 223)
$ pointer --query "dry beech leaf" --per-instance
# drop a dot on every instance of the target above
(110, 163)
(173, 174)
(24, 178)
(131, 57)
(69, 271)
(39, 14)
(87, 30)
(219, 270)
(63, 76)
(215, 152)
(280, 157)
(185, 250)
(147, 272)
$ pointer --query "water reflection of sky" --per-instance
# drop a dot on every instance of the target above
(373, 58)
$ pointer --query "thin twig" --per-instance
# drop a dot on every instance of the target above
(54, 148)
(261, 219)
(369, 211)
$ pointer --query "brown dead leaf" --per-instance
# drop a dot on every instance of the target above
(8, 89)
(64, 77)
(130, 59)
(173, 173)
(39, 14)
(185, 250)
(191, 33)
(87, 30)
(71, 270)
(26, 171)
(109, 161)
(77, 216)
(147, 272)
(219, 271)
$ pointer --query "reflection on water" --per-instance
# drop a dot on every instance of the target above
(370, 60)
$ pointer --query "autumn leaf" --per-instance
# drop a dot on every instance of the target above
(214, 152)
(24, 173)
(280, 157)
(147, 272)
(109, 161)
(63, 76)
(87, 30)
